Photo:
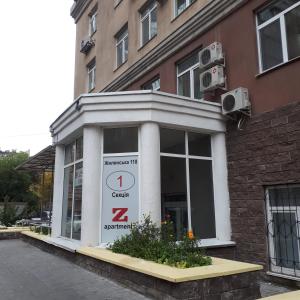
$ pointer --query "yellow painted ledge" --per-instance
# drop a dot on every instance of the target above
(14, 229)
(220, 267)
(286, 296)
(35, 235)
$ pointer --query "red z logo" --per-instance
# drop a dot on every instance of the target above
(119, 213)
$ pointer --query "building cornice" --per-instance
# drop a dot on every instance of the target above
(78, 8)
(134, 108)
(206, 18)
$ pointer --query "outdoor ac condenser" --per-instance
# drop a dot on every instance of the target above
(211, 55)
(212, 79)
(235, 100)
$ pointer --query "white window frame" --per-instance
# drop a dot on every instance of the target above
(73, 165)
(187, 4)
(192, 81)
(121, 39)
(92, 23)
(280, 209)
(187, 157)
(153, 6)
(281, 18)
(91, 77)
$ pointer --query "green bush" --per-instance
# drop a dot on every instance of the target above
(150, 242)
(8, 215)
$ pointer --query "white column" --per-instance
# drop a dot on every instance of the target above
(221, 193)
(58, 190)
(150, 202)
(91, 184)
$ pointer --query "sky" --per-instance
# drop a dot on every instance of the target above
(37, 49)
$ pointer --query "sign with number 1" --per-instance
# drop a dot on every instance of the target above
(119, 196)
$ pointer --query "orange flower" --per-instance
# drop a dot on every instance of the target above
(191, 234)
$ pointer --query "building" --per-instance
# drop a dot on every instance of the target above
(173, 150)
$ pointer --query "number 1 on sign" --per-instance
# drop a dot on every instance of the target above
(120, 178)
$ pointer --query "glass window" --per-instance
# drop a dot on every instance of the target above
(72, 191)
(69, 153)
(188, 77)
(93, 23)
(283, 224)
(202, 201)
(186, 181)
(148, 22)
(292, 20)
(91, 75)
(173, 194)
(172, 141)
(152, 85)
(278, 30)
(199, 144)
(181, 5)
(122, 46)
(120, 140)
(67, 202)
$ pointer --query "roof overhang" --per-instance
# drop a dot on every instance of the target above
(41, 162)
(134, 108)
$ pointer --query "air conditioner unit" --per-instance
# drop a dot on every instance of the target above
(211, 55)
(86, 45)
(212, 79)
(235, 100)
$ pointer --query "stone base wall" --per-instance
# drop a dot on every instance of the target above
(266, 152)
(9, 235)
(239, 287)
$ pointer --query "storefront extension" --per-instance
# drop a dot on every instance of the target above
(122, 156)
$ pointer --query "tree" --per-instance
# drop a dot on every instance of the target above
(15, 186)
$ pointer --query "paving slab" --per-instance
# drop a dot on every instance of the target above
(28, 273)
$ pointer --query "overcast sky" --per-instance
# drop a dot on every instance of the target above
(36, 70)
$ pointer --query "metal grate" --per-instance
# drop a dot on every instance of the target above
(283, 220)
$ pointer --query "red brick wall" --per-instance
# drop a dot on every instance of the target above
(266, 152)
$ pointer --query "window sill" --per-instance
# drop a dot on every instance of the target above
(215, 243)
(283, 276)
(118, 67)
(144, 45)
(277, 67)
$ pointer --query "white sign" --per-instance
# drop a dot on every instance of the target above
(120, 201)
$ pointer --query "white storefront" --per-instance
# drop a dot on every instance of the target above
(120, 156)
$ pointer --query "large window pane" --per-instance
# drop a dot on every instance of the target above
(172, 141)
(202, 200)
(292, 20)
(197, 93)
(199, 144)
(184, 85)
(286, 240)
(67, 202)
(153, 25)
(284, 196)
(79, 148)
(271, 48)
(145, 30)
(119, 54)
(180, 6)
(119, 140)
(69, 153)
(173, 194)
(77, 202)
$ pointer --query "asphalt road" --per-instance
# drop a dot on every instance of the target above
(27, 273)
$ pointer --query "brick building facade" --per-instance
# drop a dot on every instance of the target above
(115, 52)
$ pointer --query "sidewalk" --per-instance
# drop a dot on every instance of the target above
(28, 273)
